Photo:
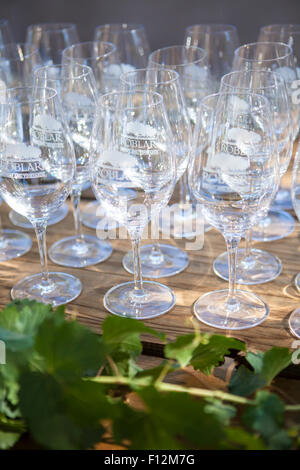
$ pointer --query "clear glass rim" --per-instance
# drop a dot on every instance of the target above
(255, 44)
(226, 28)
(86, 71)
(51, 93)
(276, 76)
(158, 99)
(52, 27)
(112, 49)
(182, 47)
(123, 27)
(173, 79)
(206, 99)
(17, 46)
(288, 27)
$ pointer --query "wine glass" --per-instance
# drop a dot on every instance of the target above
(191, 65)
(37, 165)
(161, 260)
(276, 57)
(131, 42)
(234, 174)
(132, 148)
(51, 39)
(18, 62)
(77, 90)
(6, 36)
(289, 34)
(219, 42)
(294, 320)
(104, 60)
(256, 266)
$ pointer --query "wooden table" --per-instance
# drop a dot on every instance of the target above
(280, 294)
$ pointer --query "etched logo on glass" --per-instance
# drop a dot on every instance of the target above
(46, 131)
(21, 161)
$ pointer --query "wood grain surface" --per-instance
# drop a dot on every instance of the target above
(280, 294)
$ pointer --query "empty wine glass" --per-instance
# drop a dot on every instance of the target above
(18, 62)
(234, 174)
(51, 39)
(78, 93)
(132, 148)
(104, 60)
(256, 266)
(294, 320)
(276, 57)
(161, 260)
(37, 166)
(191, 65)
(131, 42)
(6, 36)
(287, 33)
(219, 42)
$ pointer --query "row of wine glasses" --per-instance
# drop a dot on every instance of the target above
(180, 77)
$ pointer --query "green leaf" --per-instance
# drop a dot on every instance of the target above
(267, 418)
(223, 412)
(266, 366)
(203, 352)
(68, 349)
(182, 348)
(237, 438)
(63, 417)
(121, 338)
(170, 421)
(19, 321)
(8, 439)
(244, 382)
(271, 363)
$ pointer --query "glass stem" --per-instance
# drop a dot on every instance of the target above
(75, 198)
(40, 231)
(232, 245)
(156, 255)
(138, 280)
(184, 194)
(248, 243)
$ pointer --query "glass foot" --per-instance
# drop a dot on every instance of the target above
(62, 288)
(258, 268)
(277, 225)
(249, 311)
(77, 254)
(21, 221)
(168, 262)
(294, 322)
(13, 244)
(156, 300)
(93, 216)
(283, 200)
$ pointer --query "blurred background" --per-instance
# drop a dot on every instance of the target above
(165, 20)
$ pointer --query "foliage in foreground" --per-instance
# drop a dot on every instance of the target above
(66, 386)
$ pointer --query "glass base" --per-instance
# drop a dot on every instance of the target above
(122, 300)
(258, 268)
(283, 200)
(93, 216)
(13, 244)
(294, 322)
(21, 221)
(62, 288)
(171, 261)
(185, 223)
(78, 254)
(277, 225)
(212, 310)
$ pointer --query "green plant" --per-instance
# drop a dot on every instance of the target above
(66, 386)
